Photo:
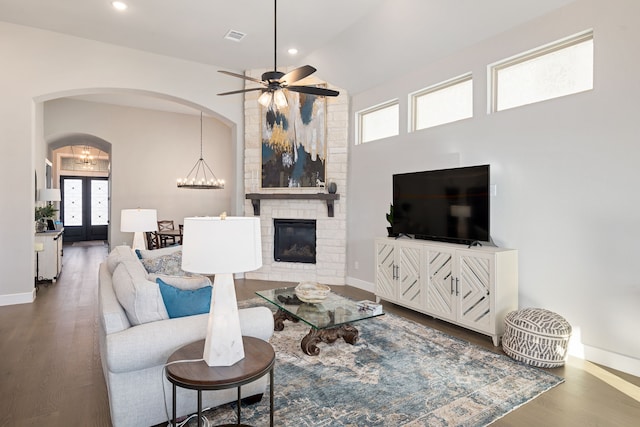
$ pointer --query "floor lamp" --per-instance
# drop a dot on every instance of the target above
(222, 246)
(138, 221)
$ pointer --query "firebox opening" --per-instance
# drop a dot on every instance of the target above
(294, 240)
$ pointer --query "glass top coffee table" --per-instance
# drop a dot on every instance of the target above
(329, 320)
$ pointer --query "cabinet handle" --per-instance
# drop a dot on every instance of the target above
(451, 285)
(457, 289)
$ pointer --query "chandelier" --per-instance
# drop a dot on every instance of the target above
(85, 157)
(201, 176)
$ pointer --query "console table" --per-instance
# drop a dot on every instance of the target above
(50, 259)
(472, 287)
(259, 358)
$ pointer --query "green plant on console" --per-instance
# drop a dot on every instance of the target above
(390, 215)
(390, 232)
(45, 212)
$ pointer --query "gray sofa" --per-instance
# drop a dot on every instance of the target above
(137, 337)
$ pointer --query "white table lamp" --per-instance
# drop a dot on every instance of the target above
(222, 246)
(50, 195)
(138, 221)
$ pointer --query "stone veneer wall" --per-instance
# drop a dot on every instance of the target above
(331, 235)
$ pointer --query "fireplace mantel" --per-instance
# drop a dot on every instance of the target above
(256, 197)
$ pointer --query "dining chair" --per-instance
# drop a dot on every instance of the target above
(163, 225)
(152, 240)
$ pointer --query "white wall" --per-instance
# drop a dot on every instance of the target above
(39, 66)
(149, 151)
(566, 172)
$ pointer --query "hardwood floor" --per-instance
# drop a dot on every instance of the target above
(50, 372)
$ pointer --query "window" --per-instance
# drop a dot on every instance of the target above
(378, 122)
(445, 102)
(560, 69)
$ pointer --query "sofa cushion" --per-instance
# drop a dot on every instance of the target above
(153, 253)
(181, 302)
(113, 316)
(182, 282)
(118, 254)
(140, 298)
(170, 264)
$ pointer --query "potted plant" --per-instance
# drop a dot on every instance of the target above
(390, 221)
(41, 214)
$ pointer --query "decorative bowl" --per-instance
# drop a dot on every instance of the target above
(312, 292)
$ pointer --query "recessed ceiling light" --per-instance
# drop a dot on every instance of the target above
(119, 5)
(293, 51)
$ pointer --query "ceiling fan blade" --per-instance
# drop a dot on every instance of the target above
(240, 76)
(313, 90)
(297, 74)
(241, 91)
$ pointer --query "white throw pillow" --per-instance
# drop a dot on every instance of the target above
(118, 254)
(140, 298)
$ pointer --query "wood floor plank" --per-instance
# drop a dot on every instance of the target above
(51, 374)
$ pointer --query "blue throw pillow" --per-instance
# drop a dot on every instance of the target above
(180, 302)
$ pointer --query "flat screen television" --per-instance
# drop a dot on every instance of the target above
(450, 205)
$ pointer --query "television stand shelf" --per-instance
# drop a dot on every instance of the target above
(256, 197)
(470, 287)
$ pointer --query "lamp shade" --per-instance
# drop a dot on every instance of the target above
(132, 220)
(50, 195)
(214, 246)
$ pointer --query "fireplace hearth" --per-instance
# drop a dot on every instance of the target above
(294, 240)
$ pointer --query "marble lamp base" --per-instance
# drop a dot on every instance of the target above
(223, 344)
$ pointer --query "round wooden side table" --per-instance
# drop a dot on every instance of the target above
(259, 358)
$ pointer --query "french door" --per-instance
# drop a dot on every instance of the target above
(85, 208)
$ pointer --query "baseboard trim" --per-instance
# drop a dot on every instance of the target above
(612, 360)
(361, 284)
(22, 298)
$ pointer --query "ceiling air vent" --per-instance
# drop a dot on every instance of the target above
(234, 35)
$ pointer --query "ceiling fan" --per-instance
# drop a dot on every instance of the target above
(273, 82)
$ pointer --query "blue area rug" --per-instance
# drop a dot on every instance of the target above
(399, 373)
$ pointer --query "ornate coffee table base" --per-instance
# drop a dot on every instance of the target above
(279, 317)
(346, 332)
(310, 341)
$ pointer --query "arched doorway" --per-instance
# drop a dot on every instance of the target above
(82, 168)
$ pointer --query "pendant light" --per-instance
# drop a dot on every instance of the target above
(201, 176)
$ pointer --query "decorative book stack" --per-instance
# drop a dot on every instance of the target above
(370, 306)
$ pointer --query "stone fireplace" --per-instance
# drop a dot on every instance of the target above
(329, 218)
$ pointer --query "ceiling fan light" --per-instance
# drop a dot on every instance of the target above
(265, 99)
(280, 99)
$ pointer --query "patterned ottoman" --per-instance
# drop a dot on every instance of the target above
(537, 337)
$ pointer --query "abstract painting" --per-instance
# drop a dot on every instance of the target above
(294, 143)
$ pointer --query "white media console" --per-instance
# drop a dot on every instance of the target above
(473, 287)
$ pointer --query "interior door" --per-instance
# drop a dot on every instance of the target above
(84, 208)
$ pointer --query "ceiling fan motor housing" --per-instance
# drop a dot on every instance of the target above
(270, 76)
